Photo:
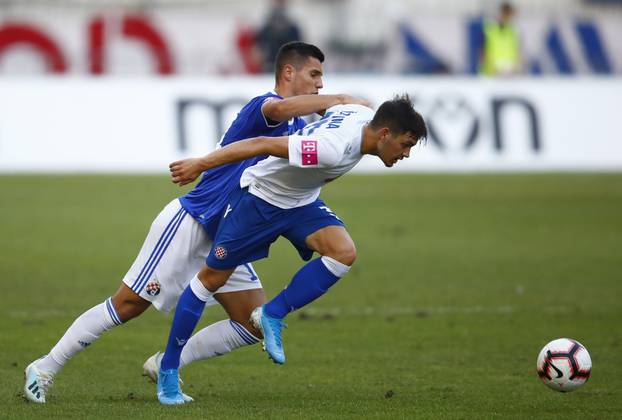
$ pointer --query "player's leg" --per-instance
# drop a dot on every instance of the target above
(337, 252)
(128, 304)
(218, 338)
(239, 306)
(221, 337)
(244, 234)
(88, 327)
(187, 314)
(121, 307)
(241, 294)
(331, 240)
(240, 238)
(226, 335)
(131, 300)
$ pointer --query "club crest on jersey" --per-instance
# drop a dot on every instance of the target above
(309, 152)
(220, 252)
(153, 288)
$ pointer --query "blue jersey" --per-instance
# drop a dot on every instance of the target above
(207, 200)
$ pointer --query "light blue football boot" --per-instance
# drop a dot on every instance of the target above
(169, 392)
(151, 368)
(271, 329)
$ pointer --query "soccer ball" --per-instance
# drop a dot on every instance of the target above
(564, 365)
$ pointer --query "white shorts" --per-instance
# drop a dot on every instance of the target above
(173, 253)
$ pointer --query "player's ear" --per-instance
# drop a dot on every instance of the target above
(288, 72)
(384, 132)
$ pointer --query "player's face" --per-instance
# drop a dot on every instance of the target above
(392, 148)
(308, 79)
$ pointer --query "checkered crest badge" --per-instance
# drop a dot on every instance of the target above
(153, 288)
(220, 252)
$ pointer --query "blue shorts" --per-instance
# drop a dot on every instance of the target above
(250, 225)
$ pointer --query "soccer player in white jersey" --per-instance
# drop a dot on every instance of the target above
(280, 197)
(180, 237)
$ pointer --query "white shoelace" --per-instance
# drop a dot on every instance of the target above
(46, 380)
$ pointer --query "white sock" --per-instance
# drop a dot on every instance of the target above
(215, 340)
(199, 290)
(84, 330)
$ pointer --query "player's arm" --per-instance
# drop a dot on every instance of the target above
(279, 110)
(187, 170)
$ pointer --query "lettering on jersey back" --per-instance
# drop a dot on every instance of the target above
(331, 120)
(336, 120)
(308, 149)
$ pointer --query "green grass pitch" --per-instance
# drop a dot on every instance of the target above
(460, 280)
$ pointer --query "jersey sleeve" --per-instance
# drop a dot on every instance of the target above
(309, 151)
(267, 121)
(250, 122)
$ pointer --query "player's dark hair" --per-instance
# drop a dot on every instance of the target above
(295, 53)
(400, 117)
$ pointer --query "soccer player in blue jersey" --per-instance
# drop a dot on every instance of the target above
(280, 197)
(179, 239)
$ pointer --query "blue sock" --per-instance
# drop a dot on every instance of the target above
(308, 284)
(187, 314)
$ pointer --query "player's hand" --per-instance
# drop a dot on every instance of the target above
(185, 171)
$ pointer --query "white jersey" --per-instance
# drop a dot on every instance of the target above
(320, 152)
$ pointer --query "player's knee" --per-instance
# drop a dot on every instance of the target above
(345, 253)
(128, 304)
(213, 279)
(348, 256)
(128, 309)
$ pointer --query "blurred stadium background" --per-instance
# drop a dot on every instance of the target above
(499, 235)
